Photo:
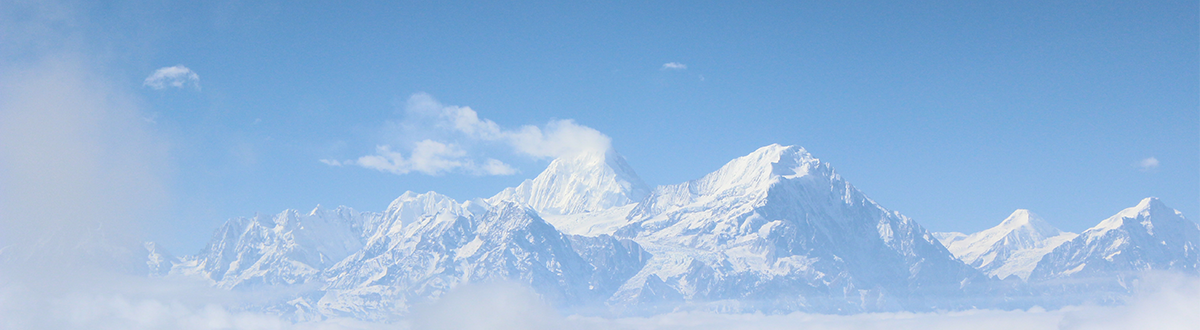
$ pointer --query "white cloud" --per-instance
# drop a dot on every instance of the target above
(68, 133)
(491, 306)
(973, 319)
(1148, 164)
(423, 109)
(557, 139)
(446, 138)
(674, 66)
(172, 76)
(1165, 301)
(142, 303)
(496, 167)
(428, 157)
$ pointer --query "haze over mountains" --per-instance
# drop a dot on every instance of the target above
(774, 231)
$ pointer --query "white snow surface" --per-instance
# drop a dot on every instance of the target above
(583, 182)
(779, 225)
(604, 222)
(1148, 236)
(1011, 248)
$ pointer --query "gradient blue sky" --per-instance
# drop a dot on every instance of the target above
(954, 113)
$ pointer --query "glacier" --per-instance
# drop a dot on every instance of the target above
(775, 231)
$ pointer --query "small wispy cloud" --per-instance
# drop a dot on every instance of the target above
(1148, 164)
(495, 167)
(424, 115)
(427, 157)
(674, 66)
(441, 138)
(172, 76)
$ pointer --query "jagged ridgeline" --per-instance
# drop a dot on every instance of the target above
(774, 231)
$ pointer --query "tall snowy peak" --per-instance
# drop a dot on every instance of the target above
(781, 216)
(1149, 236)
(747, 179)
(288, 248)
(1011, 248)
(578, 183)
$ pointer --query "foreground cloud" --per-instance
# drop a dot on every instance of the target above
(440, 139)
(133, 303)
(674, 66)
(1148, 164)
(173, 76)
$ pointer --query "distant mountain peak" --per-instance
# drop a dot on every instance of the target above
(1020, 217)
(1145, 214)
(780, 159)
(778, 214)
(580, 182)
(1148, 236)
(1011, 248)
(1026, 221)
(760, 169)
(1147, 204)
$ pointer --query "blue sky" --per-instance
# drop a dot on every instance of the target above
(952, 113)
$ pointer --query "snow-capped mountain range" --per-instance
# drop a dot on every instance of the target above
(777, 230)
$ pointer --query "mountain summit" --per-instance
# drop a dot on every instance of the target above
(579, 183)
(1149, 236)
(1011, 248)
(785, 223)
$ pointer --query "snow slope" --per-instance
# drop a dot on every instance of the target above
(1013, 247)
(584, 182)
(1149, 236)
(779, 230)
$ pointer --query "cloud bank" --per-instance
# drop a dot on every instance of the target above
(172, 76)
(1170, 303)
(79, 172)
(440, 139)
(80, 177)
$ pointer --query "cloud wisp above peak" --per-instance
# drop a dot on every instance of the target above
(442, 139)
(178, 76)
